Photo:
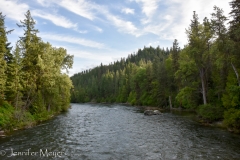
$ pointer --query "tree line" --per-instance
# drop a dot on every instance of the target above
(32, 83)
(202, 76)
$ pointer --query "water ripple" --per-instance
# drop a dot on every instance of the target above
(105, 132)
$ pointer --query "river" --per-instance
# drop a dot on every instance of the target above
(118, 132)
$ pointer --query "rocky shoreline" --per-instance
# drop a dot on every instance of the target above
(2, 133)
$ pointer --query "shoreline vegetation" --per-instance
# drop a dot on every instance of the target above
(34, 86)
(202, 76)
(194, 115)
(27, 121)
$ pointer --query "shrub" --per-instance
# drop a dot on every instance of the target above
(6, 112)
(232, 119)
(210, 112)
(187, 98)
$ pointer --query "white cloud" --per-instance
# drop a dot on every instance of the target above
(179, 14)
(99, 29)
(79, 7)
(167, 19)
(70, 39)
(58, 20)
(89, 10)
(171, 20)
(149, 8)
(127, 11)
(45, 3)
(80, 31)
(124, 26)
(13, 9)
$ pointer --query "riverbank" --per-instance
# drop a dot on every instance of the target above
(192, 114)
(12, 119)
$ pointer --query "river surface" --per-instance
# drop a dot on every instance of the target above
(118, 132)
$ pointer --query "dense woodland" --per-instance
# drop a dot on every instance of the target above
(32, 85)
(203, 76)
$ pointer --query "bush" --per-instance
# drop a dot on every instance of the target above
(232, 119)
(133, 102)
(132, 98)
(43, 116)
(11, 118)
(187, 98)
(65, 108)
(210, 112)
(6, 112)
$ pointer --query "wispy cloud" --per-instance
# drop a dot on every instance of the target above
(128, 11)
(80, 31)
(124, 26)
(91, 10)
(148, 8)
(70, 39)
(13, 9)
(58, 20)
(177, 16)
(44, 3)
(79, 7)
(98, 29)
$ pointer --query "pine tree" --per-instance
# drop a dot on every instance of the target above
(29, 45)
(14, 77)
(175, 55)
(220, 51)
(234, 32)
(4, 50)
(199, 36)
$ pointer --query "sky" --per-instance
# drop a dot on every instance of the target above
(103, 31)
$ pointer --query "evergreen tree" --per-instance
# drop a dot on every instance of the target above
(4, 51)
(199, 36)
(175, 55)
(220, 51)
(234, 32)
(14, 77)
(29, 45)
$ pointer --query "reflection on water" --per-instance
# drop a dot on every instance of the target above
(113, 132)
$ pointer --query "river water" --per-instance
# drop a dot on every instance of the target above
(118, 132)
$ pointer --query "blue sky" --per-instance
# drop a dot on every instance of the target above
(96, 31)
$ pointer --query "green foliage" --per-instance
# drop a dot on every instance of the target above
(31, 78)
(232, 119)
(4, 49)
(11, 118)
(186, 97)
(43, 115)
(210, 112)
(232, 97)
(6, 112)
(132, 98)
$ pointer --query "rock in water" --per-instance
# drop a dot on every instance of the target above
(156, 112)
(151, 112)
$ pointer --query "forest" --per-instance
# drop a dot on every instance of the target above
(33, 85)
(202, 76)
